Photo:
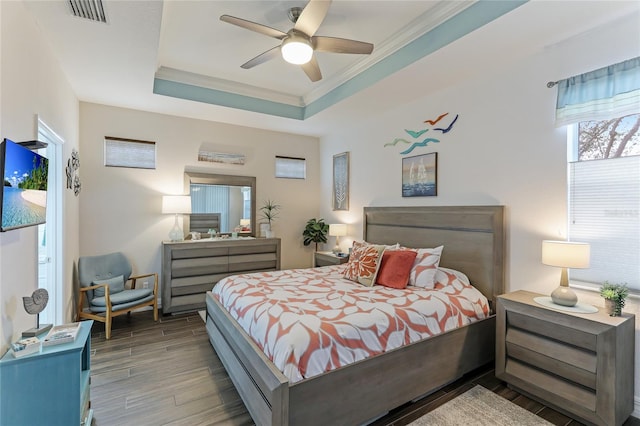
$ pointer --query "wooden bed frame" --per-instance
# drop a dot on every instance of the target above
(473, 239)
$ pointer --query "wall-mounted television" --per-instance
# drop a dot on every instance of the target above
(23, 200)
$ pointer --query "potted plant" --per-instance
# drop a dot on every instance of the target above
(269, 211)
(614, 297)
(315, 232)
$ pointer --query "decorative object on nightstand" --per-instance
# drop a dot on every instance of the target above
(565, 254)
(614, 297)
(315, 231)
(176, 204)
(34, 305)
(337, 230)
(579, 364)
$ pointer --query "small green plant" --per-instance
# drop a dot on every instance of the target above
(315, 232)
(617, 293)
(270, 211)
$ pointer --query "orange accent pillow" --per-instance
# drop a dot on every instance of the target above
(364, 263)
(395, 268)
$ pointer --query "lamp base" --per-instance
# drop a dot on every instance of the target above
(176, 233)
(564, 296)
(32, 332)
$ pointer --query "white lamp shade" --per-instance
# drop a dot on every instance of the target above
(296, 50)
(565, 254)
(245, 222)
(337, 229)
(176, 204)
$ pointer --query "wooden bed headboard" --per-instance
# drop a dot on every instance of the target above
(473, 238)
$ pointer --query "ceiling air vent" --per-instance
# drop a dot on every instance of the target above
(88, 9)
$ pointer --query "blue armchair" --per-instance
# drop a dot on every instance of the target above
(103, 289)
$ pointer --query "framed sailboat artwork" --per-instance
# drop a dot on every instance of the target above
(420, 175)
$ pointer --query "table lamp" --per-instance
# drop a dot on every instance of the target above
(176, 204)
(337, 230)
(245, 224)
(565, 254)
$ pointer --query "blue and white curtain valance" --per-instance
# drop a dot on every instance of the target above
(608, 92)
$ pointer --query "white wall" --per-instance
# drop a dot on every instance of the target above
(121, 207)
(32, 85)
(503, 150)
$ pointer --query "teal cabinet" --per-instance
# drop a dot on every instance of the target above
(50, 387)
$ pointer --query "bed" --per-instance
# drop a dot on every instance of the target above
(473, 237)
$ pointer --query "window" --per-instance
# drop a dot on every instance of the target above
(291, 167)
(133, 153)
(604, 198)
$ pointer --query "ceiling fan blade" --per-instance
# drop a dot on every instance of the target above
(262, 58)
(259, 28)
(340, 45)
(312, 69)
(312, 16)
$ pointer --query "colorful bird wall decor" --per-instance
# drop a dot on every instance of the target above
(417, 134)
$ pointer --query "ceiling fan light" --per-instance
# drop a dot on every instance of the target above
(296, 50)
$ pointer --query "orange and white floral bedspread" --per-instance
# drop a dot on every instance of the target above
(309, 321)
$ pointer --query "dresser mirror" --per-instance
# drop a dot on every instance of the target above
(226, 203)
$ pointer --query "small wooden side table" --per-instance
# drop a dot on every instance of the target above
(326, 258)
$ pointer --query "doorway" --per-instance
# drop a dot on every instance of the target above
(50, 253)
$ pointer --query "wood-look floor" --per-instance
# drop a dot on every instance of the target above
(167, 373)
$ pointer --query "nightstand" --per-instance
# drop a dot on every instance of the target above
(580, 364)
(326, 258)
(49, 387)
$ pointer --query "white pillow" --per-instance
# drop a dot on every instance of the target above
(425, 267)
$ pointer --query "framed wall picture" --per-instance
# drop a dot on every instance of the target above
(341, 181)
(420, 175)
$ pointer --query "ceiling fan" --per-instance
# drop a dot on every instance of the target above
(300, 43)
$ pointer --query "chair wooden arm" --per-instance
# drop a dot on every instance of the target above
(107, 300)
(93, 287)
(82, 295)
(134, 280)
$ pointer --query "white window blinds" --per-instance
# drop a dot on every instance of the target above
(604, 211)
(291, 167)
(133, 153)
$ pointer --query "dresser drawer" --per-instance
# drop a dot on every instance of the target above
(199, 266)
(552, 356)
(553, 330)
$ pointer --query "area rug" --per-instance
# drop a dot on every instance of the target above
(479, 407)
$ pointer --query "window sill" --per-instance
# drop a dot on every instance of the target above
(587, 286)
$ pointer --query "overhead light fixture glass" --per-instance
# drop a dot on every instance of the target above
(296, 49)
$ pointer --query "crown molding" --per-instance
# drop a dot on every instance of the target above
(207, 82)
(419, 26)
